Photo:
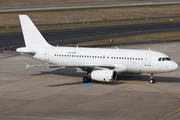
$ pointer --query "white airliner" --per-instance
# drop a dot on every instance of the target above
(99, 63)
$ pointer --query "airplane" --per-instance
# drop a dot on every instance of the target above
(100, 64)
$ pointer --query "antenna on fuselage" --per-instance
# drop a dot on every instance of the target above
(149, 49)
(77, 46)
(116, 47)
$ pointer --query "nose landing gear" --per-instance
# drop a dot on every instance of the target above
(151, 78)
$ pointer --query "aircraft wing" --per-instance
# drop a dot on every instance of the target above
(83, 67)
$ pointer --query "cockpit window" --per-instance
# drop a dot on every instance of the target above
(168, 59)
(164, 59)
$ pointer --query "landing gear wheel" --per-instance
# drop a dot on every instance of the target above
(151, 81)
(86, 79)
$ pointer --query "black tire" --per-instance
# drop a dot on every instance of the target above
(85, 80)
(89, 80)
(151, 81)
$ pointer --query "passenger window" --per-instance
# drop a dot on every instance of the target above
(103, 56)
(119, 57)
(141, 58)
(138, 58)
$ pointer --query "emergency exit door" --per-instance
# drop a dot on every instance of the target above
(148, 60)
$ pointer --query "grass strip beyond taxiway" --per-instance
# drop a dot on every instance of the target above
(162, 36)
(73, 26)
(128, 13)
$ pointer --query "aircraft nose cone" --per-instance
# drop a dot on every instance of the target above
(174, 66)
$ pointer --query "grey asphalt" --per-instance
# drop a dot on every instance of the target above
(59, 37)
(95, 5)
(59, 94)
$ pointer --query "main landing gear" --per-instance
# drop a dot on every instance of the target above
(151, 79)
(86, 79)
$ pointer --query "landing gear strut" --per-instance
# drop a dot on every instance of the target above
(151, 79)
(86, 79)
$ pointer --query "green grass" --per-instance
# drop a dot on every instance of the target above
(71, 26)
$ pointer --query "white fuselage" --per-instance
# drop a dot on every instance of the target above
(124, 60)
(100, 64)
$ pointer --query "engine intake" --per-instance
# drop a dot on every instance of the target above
(104, 75)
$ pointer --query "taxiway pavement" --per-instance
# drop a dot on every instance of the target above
(59, 94)
(12, 41)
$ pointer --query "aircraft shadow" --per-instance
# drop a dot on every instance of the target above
(121, 76)
(73, 73)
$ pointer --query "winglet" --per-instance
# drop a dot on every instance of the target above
(27, 66)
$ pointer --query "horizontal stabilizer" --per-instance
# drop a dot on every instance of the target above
(25, 50)
(27, 66)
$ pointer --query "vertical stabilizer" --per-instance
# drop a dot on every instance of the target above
(32, 36)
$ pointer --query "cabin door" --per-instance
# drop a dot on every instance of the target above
(148, 60)
(46, 56)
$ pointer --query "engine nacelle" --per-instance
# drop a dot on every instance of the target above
(104, 75)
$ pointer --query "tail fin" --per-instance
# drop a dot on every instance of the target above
(32, 36)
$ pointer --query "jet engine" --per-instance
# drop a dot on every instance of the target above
(104, 75)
